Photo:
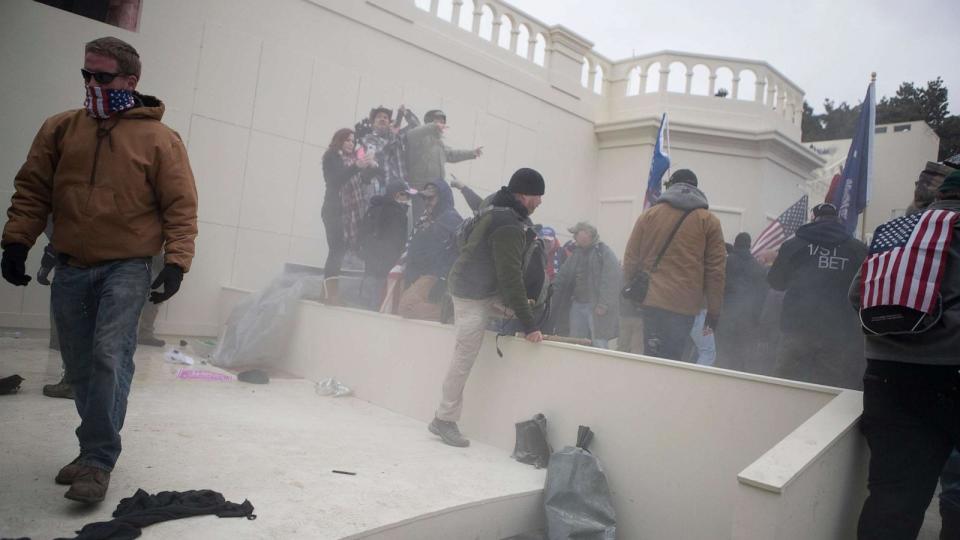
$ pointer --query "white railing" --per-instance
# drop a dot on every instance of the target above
(720, 76)
(523, 35)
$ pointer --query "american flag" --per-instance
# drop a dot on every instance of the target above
(782, 229)
(906, 260)
(103, 102)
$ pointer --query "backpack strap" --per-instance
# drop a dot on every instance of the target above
(673, 233)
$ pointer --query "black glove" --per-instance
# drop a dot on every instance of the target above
(47, 263)
(14, 264)
(170, 277)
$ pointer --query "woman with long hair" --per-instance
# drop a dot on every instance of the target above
(342, 203)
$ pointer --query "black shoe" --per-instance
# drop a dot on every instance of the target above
(150, 341)
(62, 389)
(449, 432)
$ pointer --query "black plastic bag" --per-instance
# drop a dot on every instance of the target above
(532, 447)
(576, 496)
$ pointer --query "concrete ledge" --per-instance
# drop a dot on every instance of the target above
(666, 431)
(492, 519)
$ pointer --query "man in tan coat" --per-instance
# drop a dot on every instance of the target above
(119, 186)
(691, 270)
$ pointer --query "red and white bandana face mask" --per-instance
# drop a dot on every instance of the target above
(105, 102)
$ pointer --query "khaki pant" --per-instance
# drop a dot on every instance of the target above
(470, 322)
(415, 302)
(631, 335)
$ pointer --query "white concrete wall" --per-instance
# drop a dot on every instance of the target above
(257, 88)
(672, 437)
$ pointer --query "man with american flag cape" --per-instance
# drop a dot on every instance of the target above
(911, 400)
(821, 339)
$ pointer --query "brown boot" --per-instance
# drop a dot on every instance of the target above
(332, 286)
(61, 389)
(89, 486)
(69, 473)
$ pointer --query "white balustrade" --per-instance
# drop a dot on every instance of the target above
(772, 90)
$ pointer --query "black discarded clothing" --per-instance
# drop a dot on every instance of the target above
(9, 385)
(143, 509)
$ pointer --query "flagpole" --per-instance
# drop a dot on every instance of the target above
(863, 216)
(669, 153)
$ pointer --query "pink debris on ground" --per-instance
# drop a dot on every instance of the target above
(201, 375)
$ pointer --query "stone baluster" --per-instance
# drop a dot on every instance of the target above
(532, 46)
(758, 90)
(495, 31)
(434, 7)
(455, 16)
(664, 76)
(591, 75)
(643, 80)
(771, 90)
(734, 92)
(477, 15)
(689, 83)
(782, 103)
(713, 82)
(514, 38)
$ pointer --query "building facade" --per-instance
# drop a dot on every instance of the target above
(256, 89)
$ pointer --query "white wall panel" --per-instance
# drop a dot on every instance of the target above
(196, 302)
(488, 169)
(282, 91)
(227, 80)
(260, 258)
(217, 156)
(270, 183)
(307, 222)
(333, 101)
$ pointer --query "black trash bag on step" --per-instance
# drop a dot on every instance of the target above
(576, 496)
(532, 447)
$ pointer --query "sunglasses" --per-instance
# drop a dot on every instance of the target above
(101, 77)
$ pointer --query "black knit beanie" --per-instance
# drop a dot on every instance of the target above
(526, 182)
(685, 176)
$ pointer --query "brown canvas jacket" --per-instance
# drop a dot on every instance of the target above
(117, 188)
(693, 268)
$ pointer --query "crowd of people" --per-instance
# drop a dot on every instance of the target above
(388, 201)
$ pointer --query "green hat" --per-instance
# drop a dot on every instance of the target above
(951, 184)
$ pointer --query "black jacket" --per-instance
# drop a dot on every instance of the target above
(433, 248)
(383, 235)
(336, 173)
(815, 269)
(745, 288)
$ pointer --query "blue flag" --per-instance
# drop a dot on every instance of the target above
(658, 165)
(851, 195)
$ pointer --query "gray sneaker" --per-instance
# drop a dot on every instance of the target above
(449, 432)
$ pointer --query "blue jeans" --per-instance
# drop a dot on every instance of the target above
(665, 332)
(583, 324)
(97, 310)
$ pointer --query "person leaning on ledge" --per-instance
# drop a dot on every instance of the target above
(119, 186)
(488, 270)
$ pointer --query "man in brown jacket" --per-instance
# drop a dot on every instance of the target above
(692, 268)
(119, 186)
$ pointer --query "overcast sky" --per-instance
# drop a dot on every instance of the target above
(828, 47)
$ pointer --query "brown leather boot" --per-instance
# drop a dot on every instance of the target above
(68, 473)
(89, 486)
